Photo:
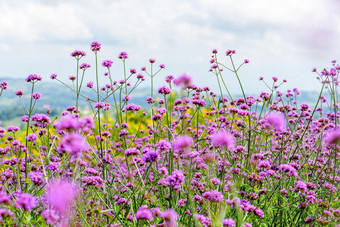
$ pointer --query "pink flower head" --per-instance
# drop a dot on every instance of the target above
(67, 123)
(213, 196)
(3, 85)
(170, 218)
(19, 92)
(78, 54)
(84, 66)
(230, 52)
(228, 222)
(183, 80)
(74, 144)
(33, 78)
(36, 95)
(277, 120)
(31, 137)
(223, 139)
(123, 55)
(26, 202)
(60, 195)
(107, 63)
(144, 214)
(95, 46)
(332, 137)
(89, 84)
(182, 143)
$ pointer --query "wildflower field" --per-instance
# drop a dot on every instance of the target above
(192, 157)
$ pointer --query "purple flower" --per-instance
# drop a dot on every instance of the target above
(144, 214)
(24, 118)
(4, 198)
(107, 63)
(51, 217)
(74, 144)
(84, 66)
(99, 105)
(78, 54)
(90, 84)
(26, 202)
(230, 52)
(36, 178)
(332, 137)
(67, 123)
(33, 78)
(36, 95)
(151, 156)
(223, 139)
(4, 213)
(93, 180)
(259, 212)
(12, 129)
(3, 85)
(183, 80)
(176, 179)
(182, 143)
(213, 196)
(205, 221)
(164, 90)
(169, 78)
(300, 186)
(42, 120)
(60, 195)
(170, 218)
(86, 122)
(163, 145)
(277, 120)
(95, 46)
(131, 151)
(123, 55)
(228, 222)
(19, 92)
(32, 137)
(290, 170)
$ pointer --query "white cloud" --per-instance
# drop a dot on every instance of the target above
(5, 47)
(31, 22)
(180, 33)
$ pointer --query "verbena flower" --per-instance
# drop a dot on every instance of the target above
(213, 196)
(26, 202)
(332, 137)
(228, 222)
(277, 120)
(95, 46)
(60, 196)
(170, 218)
(223, 139)
(144, 214)
(182, 143)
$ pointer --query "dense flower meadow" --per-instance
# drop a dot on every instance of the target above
(191, 158)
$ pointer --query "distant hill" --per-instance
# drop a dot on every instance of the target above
(57, 97)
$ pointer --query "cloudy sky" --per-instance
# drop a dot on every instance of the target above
(282, 38)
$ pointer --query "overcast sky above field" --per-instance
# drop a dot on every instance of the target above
(283, 38)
